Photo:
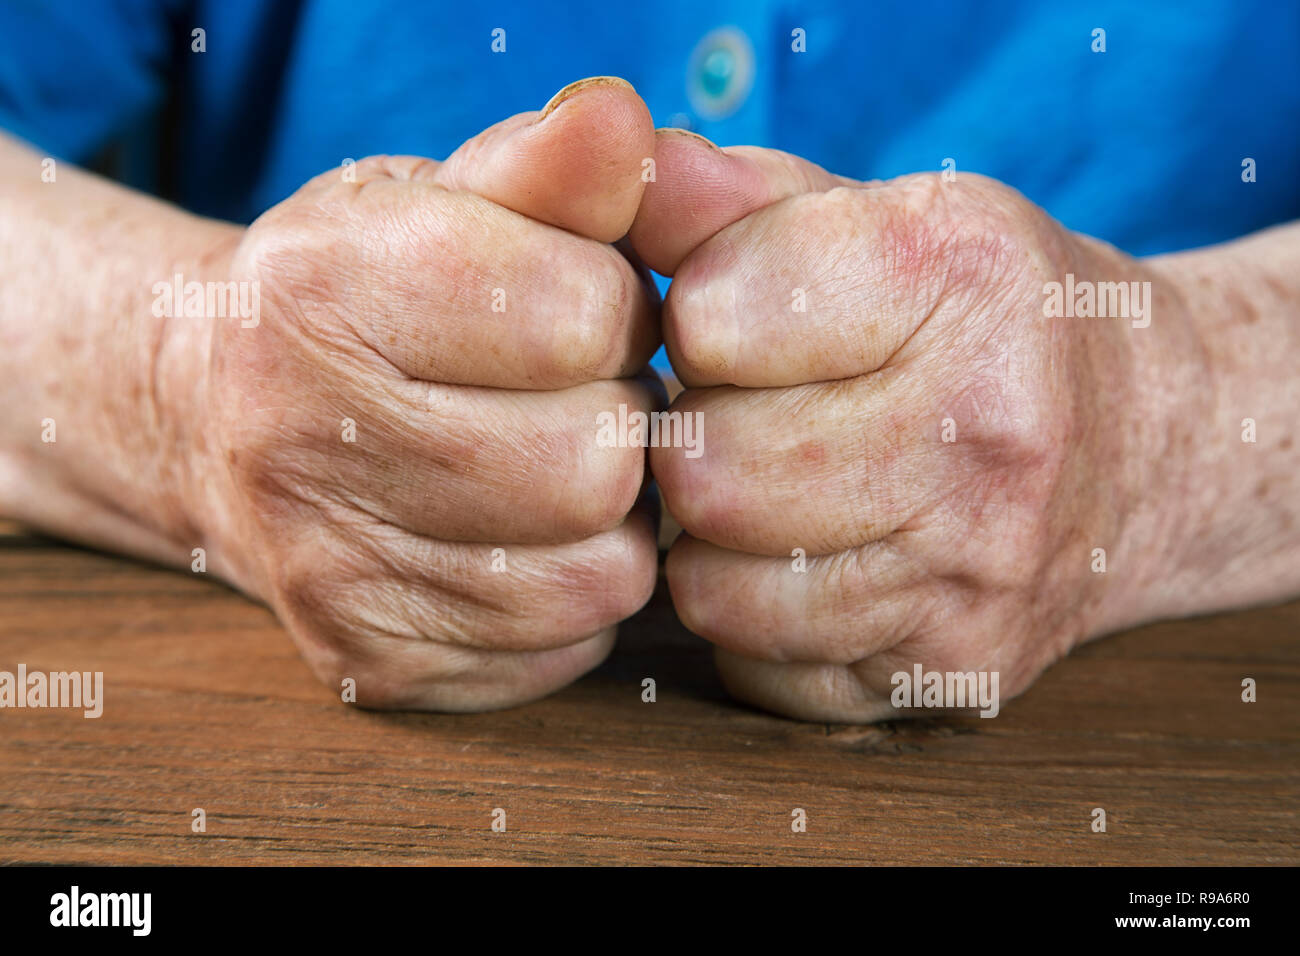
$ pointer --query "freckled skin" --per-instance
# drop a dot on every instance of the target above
(924, 302)
(378, 553)
(470, 429)
(812, 452)
(474, 427)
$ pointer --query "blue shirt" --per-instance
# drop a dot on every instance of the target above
(1142, 145)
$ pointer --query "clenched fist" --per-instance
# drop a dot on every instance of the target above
(942, 430)
(909, 461)
(400, 457)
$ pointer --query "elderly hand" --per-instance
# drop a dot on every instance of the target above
(907, 461)
(400, 455)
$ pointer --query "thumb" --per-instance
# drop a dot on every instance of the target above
(700, 189)
(577, 164)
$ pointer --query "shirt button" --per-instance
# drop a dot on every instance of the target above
(720, 74)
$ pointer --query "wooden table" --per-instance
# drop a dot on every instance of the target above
(209, 706)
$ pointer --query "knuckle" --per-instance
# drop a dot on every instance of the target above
(920, 233)
(636, 569)
(948, 238)
(690, 487)
(689, 601)
(701, 513)
(714, 606)
(612, 483)
(609, 582)
(585, 341)
(295, 258)
(694, 614)
(674, 476)
(364, 170)
(700, 315)
(593, 488)
(598, 465)
(848, 201)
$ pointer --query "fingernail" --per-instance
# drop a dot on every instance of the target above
(677, 130)
(578, 86)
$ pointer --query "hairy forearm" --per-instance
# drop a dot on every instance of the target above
(99, 393)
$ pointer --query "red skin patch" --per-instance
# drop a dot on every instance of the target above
(812, 452)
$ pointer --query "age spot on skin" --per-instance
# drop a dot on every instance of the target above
(811, 452)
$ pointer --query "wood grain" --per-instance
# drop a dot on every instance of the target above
(208, 705)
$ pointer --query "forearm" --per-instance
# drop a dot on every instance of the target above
(1241, 537)
(99, 394)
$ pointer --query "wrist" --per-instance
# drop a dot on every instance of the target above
(1222, 496)
(203, 507)
(121, 387)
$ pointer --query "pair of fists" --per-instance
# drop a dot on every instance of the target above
(898, 453)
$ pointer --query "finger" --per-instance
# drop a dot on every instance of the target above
(486, 465)
(699, 189)
(394, 673)
(805, 691)
(453, 288)
(825, 468)
(513, 598)
(835, 608)
(820, 286)
(577, 164)
(872, 688)
(517, 304)
(476, 681)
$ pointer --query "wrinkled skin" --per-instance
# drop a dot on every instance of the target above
(942, 458)
(825, 429)
(473, 427)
